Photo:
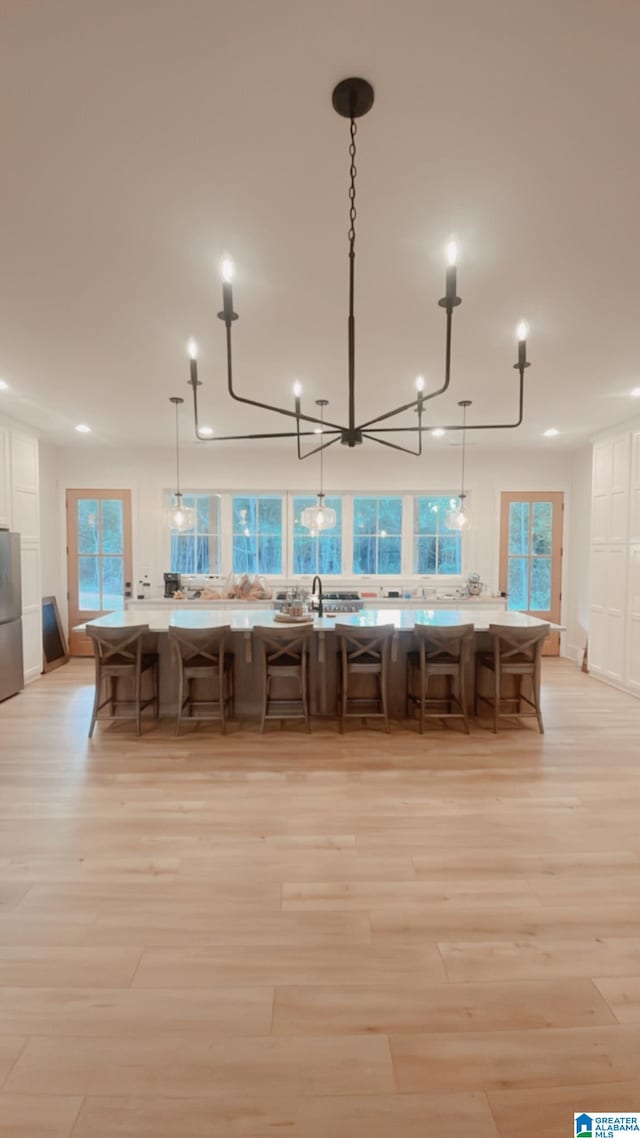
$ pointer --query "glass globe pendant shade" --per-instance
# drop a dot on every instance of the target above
(318, 517)
(458, 517)
(181, 517)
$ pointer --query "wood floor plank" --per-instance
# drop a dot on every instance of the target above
(304, 964)
(540, 959)
(202, 1065)
(547, 1112)
(38, 1116)
(189, 927)
(501, 1059)
(352, 1116)
(443, 1007)
(528, 923)
(67, 967)
(350, 895)
(134, 1011)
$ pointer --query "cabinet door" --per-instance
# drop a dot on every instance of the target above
(531, 556)
(98, 557)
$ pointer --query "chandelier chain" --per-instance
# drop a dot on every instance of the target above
(353, 170)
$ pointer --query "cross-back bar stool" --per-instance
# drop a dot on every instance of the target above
(118, 655)
(442, 652)
(514, 652)
(201, 656)
(284, 656)
(364, 652)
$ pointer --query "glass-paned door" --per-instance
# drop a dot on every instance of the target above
(98, 557)
(531, 556)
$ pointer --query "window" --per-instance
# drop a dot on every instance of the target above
(197, 550)
(321, 552)
(257, 534)
(377, 535)
(436, 549)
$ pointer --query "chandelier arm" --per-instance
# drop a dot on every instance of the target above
(469, 426)
(323, 446)
(397, 446)
(427, 395)
(265, 435)
(256, 402)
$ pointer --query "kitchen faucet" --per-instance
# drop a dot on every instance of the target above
(313, 592)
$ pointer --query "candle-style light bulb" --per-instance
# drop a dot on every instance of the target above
(522, 333)
(227, 297)
(297, 389)
(192, 349)
(452, 256)
(420, 383)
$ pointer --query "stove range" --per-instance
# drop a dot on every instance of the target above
(332, 602)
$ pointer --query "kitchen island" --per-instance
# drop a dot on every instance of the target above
(323, 666)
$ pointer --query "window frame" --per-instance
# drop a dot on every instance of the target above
(416, 534)
(377, 536)
(287, 497)
(169, 496)
(284, 533)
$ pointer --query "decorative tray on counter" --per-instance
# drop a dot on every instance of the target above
(284, 618)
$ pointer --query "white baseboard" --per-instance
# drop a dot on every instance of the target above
(32, 674)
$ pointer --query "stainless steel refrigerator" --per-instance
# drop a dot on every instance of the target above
(11, 669)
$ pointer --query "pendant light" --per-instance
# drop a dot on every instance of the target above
(459, 517)
(319, 517)
(181, 517)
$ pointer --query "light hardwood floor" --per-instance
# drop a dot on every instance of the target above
(325, 936)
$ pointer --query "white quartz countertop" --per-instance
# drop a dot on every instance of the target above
(244, 620)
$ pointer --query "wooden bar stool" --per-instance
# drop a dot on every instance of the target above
(515, 652)
(284, 656)
(200, 655)
(364, 652)
(118, 655)
(441, 652)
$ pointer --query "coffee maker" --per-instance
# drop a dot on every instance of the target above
(171, 584)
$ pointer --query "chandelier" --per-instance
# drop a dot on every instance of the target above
(353, 98)
(181, 517)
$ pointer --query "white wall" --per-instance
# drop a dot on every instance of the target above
(222, 467)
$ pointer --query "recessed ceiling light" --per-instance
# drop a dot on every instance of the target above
(4, 386)
(635, 391)
(83, 429)
(551, 432)
(206, 430)
(438, 432)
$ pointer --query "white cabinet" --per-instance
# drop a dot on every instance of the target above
(614, 635)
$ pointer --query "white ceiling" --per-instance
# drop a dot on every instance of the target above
(142, 140)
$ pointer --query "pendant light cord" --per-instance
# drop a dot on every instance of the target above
(178, 494)
(464, 440)
(322, 455)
